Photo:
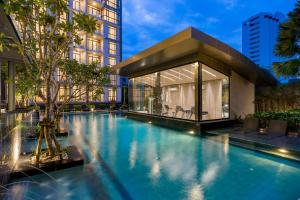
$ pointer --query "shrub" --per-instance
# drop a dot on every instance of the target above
(90, 106)
(64, 108)
(113, 106)
(124, 107)
(292, 117)
(35, 108)
(77, 107)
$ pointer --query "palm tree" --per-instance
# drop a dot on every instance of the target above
(288, 45)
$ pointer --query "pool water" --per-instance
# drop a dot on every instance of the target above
(126, 159)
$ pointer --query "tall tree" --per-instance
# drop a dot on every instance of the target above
(47, 32)
(288, 45)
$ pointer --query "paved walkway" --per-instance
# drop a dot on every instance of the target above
(270, 144)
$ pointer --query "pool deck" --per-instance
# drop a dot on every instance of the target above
(283, 146)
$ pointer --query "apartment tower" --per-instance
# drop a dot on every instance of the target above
(260, 33)
(104, 46)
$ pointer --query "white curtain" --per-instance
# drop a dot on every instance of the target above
(212, 99)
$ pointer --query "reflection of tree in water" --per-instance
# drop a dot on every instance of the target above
(157, 102)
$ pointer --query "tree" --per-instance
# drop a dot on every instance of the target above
(288, 45)
(47, 33)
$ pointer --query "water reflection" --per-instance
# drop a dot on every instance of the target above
(196, 193)
(133, 154)
(151, 162)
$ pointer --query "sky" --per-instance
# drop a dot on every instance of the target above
(147, 22)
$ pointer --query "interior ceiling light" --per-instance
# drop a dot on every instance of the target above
(180, 74)
(168, 78)
(204, 70)
(173, 75)
(186, 70)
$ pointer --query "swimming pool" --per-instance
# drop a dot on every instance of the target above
(126, 159)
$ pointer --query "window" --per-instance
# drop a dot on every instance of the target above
(96, 98)
(63, 93)
(99, 28)
(112, 32)
(78, 5)
(93, 44)
(112, 94)
(173, 92)
(169, 93)
(93, 11)
(111, 61)
(112, 48)
(113, 79)
(109, 15)
(78, 93)
(77, 56)
(92, 58)
(215, 94)
(112, 3)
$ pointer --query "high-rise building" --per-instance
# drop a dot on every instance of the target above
(260, 33)
(105, 45)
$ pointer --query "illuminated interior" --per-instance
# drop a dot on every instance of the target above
(172, 93)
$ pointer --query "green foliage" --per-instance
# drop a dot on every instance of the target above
(292, 117)
(77, 107)
(64, 108)
(5, 42)
(124, 107)
(46, 34)
(288, 45)
(36, 108)
(90, 106)
(113, 105)
(90, 76)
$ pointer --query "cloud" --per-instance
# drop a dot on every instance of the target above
(229, 4)
(212, 20)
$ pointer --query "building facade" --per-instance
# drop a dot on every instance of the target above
(104, 46)
(260, 33)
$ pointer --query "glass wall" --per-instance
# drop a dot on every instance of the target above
(215, 94)
(172, 93)
(168, 93)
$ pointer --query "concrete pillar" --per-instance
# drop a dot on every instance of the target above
(11, 87)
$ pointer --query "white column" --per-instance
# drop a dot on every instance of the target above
(11, 87)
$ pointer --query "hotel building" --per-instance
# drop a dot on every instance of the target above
(104, 47)
(260, 33)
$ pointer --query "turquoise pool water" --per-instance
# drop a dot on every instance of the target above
(126, 159)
